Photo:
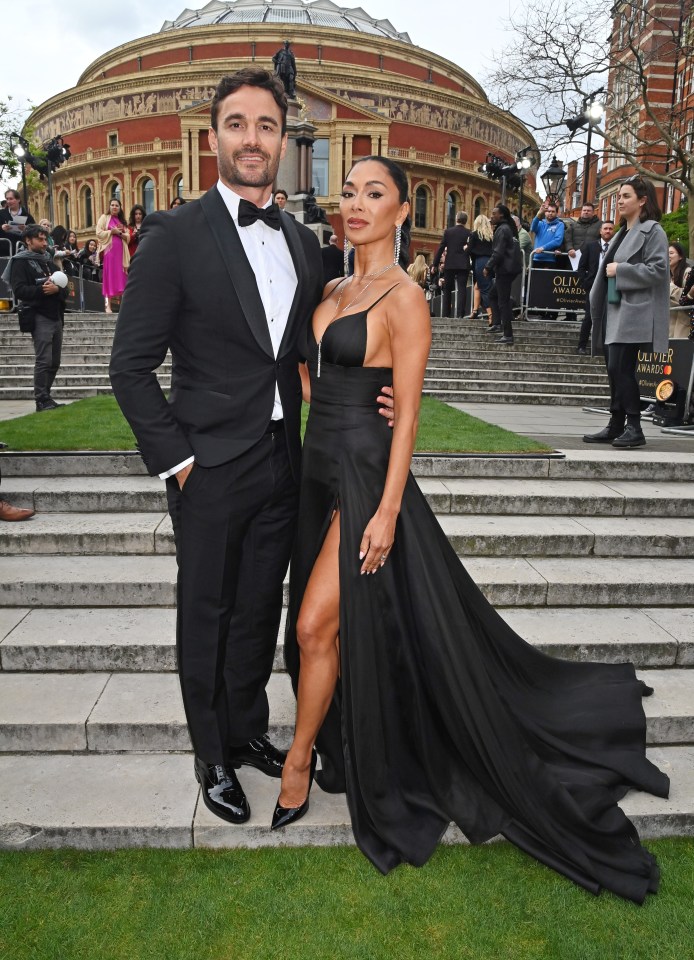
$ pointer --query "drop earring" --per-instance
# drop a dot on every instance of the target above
(398, 243)
(346, 249)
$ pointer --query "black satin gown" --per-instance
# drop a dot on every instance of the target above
(442, 713)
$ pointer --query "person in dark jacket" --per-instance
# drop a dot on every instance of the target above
(8, 229)
(577, 233)
(333, 260)
(457, 269)
(592, 254)
(501, 265)
(30, 272)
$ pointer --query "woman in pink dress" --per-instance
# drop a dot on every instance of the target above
(113, 235)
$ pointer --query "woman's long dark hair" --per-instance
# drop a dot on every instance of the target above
(643, 188)
(399, 178)
(677, 275)
(120, 215)
(131, 220)
(507, 217)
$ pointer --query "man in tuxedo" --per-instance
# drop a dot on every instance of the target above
(227, 283)
(592, 255)
(333, 260)
(457, 267)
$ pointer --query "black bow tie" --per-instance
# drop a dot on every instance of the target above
(249, 213)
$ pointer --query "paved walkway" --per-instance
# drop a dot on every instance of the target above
(563, 427)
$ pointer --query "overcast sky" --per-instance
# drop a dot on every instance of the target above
(47, 45)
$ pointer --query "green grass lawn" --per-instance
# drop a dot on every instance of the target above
(97, 424)
(483, 903)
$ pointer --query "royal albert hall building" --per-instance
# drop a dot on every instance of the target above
(138, 117)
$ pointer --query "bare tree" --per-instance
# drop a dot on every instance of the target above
(639, 51)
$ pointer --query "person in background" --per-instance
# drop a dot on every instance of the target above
(114, 236)
(135, 221)
(680, 274)
(10, 513)
(629, 303)
(592, 255)
(501, 266)
(88, 257)
(46, 225)
(333, 260)
(457, 269)
(10, 230)
(30, 277)
(419, 271)
(479, 248)
(176, 202)
(549, 237)
(577, 233)
(281, 197)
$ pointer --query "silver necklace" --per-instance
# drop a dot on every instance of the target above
(350, 304)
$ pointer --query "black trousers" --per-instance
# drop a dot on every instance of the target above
(586, 325)
(500, 302)
(451, 280)
(234, 527)
(48, 343)
(625, 397)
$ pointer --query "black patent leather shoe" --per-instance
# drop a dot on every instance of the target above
(283, 816)
(632, 437)
(259, 753)
(507, 340)
(495, 328)
(221, 792)
(606, 435)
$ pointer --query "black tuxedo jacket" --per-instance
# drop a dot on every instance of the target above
(589, 262)
(191, 289)
(453, 242)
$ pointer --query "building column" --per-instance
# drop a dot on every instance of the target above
(195, 172)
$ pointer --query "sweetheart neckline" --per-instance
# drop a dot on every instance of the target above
(332, 323)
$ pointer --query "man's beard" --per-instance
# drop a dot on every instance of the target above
(262, 176)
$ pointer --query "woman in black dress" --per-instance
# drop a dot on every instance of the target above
(422, 702)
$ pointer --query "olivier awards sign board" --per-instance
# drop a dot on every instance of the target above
(555, 290)
(674, 367)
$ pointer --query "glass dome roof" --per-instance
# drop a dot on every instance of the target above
(317, 13)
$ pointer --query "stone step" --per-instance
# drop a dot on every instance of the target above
(130, 494)
(45, 805)
(118, 534)
(552, 368)
(479, 395)
(141, 639)
(150, 581)
(143, 712)
(514, 385)
(587, 463)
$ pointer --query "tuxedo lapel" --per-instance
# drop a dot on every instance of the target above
(234, 256)
(291, 235)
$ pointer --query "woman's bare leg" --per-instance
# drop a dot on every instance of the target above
(316, 630)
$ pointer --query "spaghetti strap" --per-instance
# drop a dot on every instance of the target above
(369, 308)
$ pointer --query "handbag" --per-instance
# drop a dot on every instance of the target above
(26, 315)
(613, 294)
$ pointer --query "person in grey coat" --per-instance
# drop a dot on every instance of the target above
(629, 303)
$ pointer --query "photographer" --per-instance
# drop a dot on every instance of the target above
(30, 276)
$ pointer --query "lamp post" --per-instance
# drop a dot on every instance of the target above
(523, 164)
(554, 179)
(590, 115)
(20, 151)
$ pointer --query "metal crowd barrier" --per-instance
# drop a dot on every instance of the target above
(7, 300)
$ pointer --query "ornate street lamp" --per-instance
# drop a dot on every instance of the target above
(554, 179)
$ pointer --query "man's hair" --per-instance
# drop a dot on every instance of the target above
(33, 230)
(589, 203)
(461, 217)
(552, 204)
(250, 77)
(283, 192)
(607, 221)
(15, 194)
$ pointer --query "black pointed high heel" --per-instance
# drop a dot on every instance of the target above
(283, 816)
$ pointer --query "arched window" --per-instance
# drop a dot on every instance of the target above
(177, 187)
(452, 206)
(64, 209)
(147, 194)
(480, 206)
(87, 207)
(114, 192)
(421, 206)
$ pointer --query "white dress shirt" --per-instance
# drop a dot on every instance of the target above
(271, 261)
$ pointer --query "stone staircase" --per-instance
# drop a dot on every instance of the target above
(590, 556)
(466, 364)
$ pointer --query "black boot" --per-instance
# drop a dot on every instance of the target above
(632, 437)
(614, 429)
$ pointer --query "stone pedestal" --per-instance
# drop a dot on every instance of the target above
(295, 173)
